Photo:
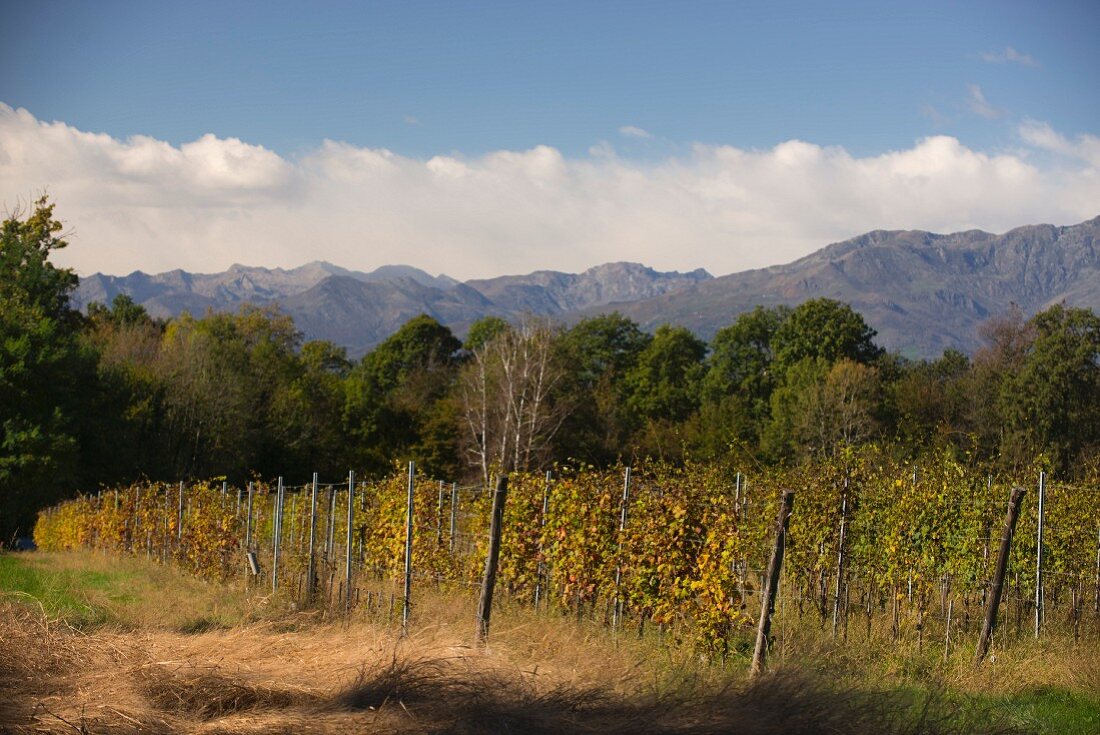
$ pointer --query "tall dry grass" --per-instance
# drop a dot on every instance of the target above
(296, 675)
(176, 655)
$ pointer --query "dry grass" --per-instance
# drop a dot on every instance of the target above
(1024, 664)
(295, 676)
(174, 655)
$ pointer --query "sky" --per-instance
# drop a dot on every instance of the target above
(477, 139)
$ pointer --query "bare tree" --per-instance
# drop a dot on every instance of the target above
(506, 397)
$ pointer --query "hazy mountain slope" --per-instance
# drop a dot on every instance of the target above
(359, 315)
(359, 310)
(923, 292)
(552, 292)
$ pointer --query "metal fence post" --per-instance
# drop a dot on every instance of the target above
(347, 565)
(179, 515)
(454, 516)
(541, 572)
(311, 571)
(617, 608)
(408, 550)
(1039, 555)
(277, 532)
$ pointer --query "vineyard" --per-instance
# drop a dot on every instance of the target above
(875, 546)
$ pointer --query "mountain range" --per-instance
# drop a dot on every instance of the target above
(358, 310)
(923, 292)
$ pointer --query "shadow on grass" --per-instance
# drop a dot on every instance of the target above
(445, 696)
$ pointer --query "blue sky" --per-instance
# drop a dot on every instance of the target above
(643, 83)
(425, 78)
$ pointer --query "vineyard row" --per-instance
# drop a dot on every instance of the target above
(680, 548)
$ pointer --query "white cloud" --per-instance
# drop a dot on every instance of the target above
(1040, 135)
(979, 105)
(143, 204)
(633, 131)
(413, 121)
(1009, 56)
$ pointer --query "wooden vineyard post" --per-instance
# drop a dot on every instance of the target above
(617, 609)
(999, 575)
(311, 572)
(775, 567)
(408, 550)
(485, 603)
(347, 560)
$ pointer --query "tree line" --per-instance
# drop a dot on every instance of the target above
(116, 395)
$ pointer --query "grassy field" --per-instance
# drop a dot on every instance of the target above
(92, 643)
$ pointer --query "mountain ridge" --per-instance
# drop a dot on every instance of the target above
(922, 291)
(358, 310)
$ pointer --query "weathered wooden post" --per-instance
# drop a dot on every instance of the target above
(485, 604)
(771, 584)
(999, 576)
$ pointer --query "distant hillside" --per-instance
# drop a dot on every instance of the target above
(359, 310)
(923, 292)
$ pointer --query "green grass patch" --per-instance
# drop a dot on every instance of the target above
(1049, 711)
(57, 591)
(87, 589)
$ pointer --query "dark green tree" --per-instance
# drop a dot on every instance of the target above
(663, 391)
(826, 329)
(483, 331)
(123, 420)
(1052, 403)
(739, 380)
(393, 407)
(664, 384)
(42, 370)
(307, 409)
(932, 400)
(598, 352)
